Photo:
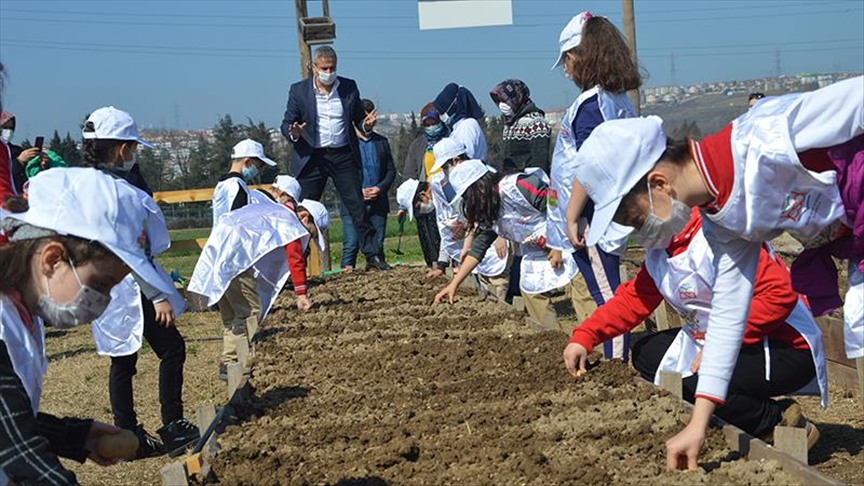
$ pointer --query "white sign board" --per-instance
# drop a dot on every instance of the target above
(451, 14)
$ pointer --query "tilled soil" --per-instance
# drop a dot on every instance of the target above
(376, 386)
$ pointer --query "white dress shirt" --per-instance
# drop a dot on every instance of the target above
(332, 128)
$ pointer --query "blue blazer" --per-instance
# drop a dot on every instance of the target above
(302, 108)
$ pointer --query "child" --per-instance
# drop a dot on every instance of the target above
(315, 218)
(415, 199)
(231, 192)
(514, 207)
(596, 58)
(286, 190)
(765, 173)
(239, 304)
(138, 309)
(81, 236)
(779, 321)
(460, 112)
(494, 269)
(248, 243)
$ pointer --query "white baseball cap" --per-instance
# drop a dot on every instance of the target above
(405, 196)
(447, 148)
(94, 206)
(250, 148)
(612, 160)
(465, 174)
(571, 36)
(320, 215)
(286, 183)
(113, 124)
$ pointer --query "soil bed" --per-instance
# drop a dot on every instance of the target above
(376, 386)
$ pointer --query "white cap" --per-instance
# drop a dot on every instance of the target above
(286, 183)
(93, 206)
(612, 160)
(571, 36)
(405, 196)
(320, 215)
(113, 124)
(447, 148)
(465, 174)
(250, 148)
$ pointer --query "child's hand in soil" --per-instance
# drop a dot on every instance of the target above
(449, 292)
(682, 451)
(164, 313)
(303, 303)
(575, 354)
(434, 273)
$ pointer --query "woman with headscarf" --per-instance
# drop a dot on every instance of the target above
(418, 166)
(527, 134)
(461, 113)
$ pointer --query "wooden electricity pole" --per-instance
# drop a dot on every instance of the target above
(301, 11)
(630, 32)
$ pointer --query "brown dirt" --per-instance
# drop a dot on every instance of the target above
(376, 386)
(374, 383)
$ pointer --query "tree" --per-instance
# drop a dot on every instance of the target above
(71, 152)
(151, 168)
(225, 136)
(493, 130)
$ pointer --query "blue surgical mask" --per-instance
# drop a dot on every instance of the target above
(434, 132)
(249, 172)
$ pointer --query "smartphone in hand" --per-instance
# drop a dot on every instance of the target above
(40, 141)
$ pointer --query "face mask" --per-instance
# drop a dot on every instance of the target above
(445, 117)
(327, 78)
(87, 305)
(128, 164)
(425, 207)
(434, 131)
(6, 134)
(656, 233)
(506, 110)
(249, 172)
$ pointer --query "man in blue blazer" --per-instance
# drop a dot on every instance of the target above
(320, 120)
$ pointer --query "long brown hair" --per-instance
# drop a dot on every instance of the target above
(481, 201)
(603, 59)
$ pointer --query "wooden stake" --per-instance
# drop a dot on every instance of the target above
(672, 382)
(791, 441)
(518, 303)
(174, 474)
(243, 353)
(205, 413)
(235, 376)
(859, 364)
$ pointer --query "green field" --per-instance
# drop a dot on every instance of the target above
(184, 261)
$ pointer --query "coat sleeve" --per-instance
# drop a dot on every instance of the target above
(292, 113)
(386, 158)
(413, 161)
(829, 116)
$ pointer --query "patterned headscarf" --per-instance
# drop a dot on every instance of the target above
(514, 93)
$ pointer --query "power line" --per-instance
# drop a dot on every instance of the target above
(404, 26)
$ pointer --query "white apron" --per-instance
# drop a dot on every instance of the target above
(253, 237)
(685, 281)
(452, 226)
(612, 107)
(119, 330)
(520, 222)
(26, 352)
(772, 191)
(224, 193)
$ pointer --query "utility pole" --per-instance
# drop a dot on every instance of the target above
(300, 12)
(630, 32)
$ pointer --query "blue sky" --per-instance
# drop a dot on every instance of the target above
(183, 63)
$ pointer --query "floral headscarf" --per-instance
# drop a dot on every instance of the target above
(514, 93)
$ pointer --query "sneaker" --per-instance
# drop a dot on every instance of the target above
(177, 435)
(223, 371)
(376, 263)
(148, 445)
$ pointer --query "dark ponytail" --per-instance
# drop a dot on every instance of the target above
(96, 151)
(481, 201)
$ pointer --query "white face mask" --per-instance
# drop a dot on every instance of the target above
(655, 233)
(425, 207)
(327, 79)
(87, 305)
(6, 134)
(506, 110)
(128, 164)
